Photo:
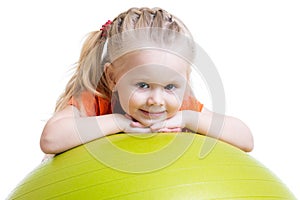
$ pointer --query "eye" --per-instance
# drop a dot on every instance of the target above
(170, 87)
(142, 85)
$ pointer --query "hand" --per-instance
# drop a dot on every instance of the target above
(173, 124)
(127, 125)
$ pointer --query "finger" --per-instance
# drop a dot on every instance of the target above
(177, 129)
(138, 130)
(164, 130)
(128, 116)
(137, 124)
(158, 126)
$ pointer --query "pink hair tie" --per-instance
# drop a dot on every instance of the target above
(104, 28)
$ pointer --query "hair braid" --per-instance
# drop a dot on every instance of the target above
(89, 74)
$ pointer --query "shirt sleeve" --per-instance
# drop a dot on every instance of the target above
(191, 103)
(86, 103)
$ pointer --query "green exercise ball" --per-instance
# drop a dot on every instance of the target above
(152, 166)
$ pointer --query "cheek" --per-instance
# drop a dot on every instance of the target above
(136, 99)
(124, 97)
(174, 100)
(130, 100)
(173, 103)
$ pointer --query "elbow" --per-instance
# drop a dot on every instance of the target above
(240, 135)
(47, 146)
(59, 136)
(248, 141)
(59, 133)
(249, 146)
(48, 142)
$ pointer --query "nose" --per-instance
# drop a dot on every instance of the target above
(156, 97)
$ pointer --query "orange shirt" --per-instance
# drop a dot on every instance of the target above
(94, 105)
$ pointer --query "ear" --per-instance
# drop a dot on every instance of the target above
(110, 78)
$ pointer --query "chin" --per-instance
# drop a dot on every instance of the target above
(149, 123)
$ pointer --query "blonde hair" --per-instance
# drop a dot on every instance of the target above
(89, 74)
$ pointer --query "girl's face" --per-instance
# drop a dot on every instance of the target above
(150, 84)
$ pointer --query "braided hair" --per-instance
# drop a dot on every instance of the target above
(89, 69)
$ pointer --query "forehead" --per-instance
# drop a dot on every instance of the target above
(165, 60)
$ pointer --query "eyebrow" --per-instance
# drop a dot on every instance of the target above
(162, 81)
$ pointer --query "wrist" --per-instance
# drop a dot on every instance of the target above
(190, 119)
(119, 122)
(110, 124)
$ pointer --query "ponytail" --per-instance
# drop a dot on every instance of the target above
(89, 71)
(89, 74)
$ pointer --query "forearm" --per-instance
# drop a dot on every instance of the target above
(65, 133)
(225, 128)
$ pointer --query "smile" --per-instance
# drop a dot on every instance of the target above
(153, 114)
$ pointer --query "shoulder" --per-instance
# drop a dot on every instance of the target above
(91, 104)
(191, 103)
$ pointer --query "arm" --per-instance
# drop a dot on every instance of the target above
(225, 128)
(68, 129)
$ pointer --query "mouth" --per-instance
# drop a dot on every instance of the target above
(153, 114)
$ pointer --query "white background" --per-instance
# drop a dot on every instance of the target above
(255, 46)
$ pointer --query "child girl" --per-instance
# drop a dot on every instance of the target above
(122, 85)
